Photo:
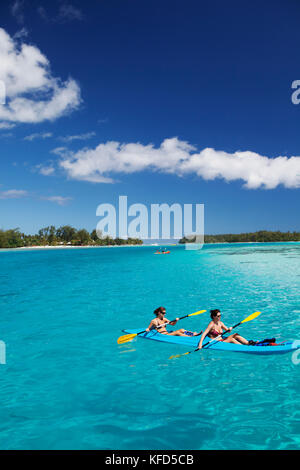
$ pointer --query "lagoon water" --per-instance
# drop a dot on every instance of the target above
(67, 384)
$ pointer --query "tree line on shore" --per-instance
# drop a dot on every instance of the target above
(260, 236)
(65, 235)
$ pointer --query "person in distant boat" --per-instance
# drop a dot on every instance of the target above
(162, 320)
(215, 329)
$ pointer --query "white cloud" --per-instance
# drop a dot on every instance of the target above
(20, 193)
(17, 10)
(42, 12)
(68, 12)
(7, 125)
(38, 135)
(13, 194)
(173, 156)
(21, 34)
(33, 94)
(60, 200)
(70, 138)
(61, 151)
(45, 170)
(6, 135)
(102, 121)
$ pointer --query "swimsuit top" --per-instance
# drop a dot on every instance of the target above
(160, 327)
(214, 333)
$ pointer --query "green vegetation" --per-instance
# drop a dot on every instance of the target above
(261, 236)
(65, 235)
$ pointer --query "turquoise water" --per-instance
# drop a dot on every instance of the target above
(68, 385)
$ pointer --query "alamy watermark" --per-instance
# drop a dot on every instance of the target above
(296, 94)
(160, 221)
(2, 352)
(296, 354)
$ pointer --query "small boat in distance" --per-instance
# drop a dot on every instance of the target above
(162, 252)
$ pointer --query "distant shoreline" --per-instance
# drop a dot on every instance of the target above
(154, 245)
(61, 247)
(66, 236)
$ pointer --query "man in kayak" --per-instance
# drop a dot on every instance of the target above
(215, 329)
(162, 320)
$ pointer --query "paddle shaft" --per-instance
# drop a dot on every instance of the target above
(167, 323)
(220, 336)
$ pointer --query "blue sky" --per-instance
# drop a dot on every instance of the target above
(164, 80)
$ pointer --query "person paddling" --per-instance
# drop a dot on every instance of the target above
(162, 320)
(215, 329)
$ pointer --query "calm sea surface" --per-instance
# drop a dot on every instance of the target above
(67, 384)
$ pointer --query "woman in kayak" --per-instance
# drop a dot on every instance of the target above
(162, 320)
(215, 329)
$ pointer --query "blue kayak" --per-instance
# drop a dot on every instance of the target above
(191, 342)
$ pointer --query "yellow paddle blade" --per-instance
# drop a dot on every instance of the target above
(126, 338)
(196, 313)
(179, 355)
(251, 317)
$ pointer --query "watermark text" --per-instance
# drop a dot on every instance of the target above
(296, 94)
(2, 352)
(161, 221)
